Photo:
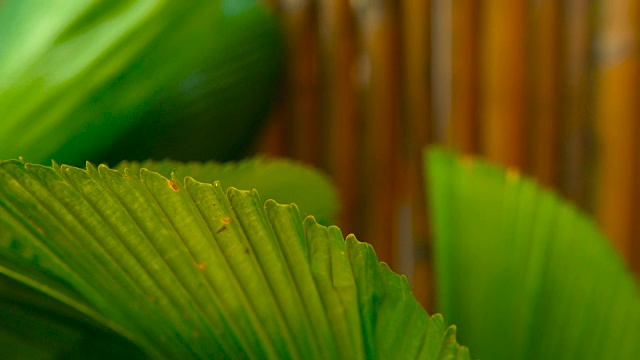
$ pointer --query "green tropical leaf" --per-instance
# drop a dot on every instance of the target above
(108, 80)
(282, 180)
(35, 326)
(184, 269)
(521, 272)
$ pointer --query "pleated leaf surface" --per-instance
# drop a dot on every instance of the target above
(521, 272)
(283, 180)
(183, 269)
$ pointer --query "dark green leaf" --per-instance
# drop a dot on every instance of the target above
(106, 80)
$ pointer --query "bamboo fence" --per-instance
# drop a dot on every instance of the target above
(548, 87)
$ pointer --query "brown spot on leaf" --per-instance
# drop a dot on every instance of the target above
(226, 220)
(223, 228)
(173, 185)
(201, 266)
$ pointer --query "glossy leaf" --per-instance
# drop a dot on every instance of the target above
(108, 80)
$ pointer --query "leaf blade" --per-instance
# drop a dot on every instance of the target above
(538, 278)
(187, 269)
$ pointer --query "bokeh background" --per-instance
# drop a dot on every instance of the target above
(550, 88)
(547, 87)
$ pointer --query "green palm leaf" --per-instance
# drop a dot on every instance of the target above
(106, 80)
(522, 273)
(280, 179)
(184, 269)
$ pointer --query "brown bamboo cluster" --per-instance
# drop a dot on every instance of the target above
(547, 87)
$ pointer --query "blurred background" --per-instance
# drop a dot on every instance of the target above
(546, 87)
(550, 88)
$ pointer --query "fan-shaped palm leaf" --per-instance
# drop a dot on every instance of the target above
(183, 269)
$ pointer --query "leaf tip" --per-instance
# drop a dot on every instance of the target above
(235, 192)
(271, 204)
(310, 221)
(145, 173)
(188, 180)
(231, 191)
(101, 167)
(351, 240)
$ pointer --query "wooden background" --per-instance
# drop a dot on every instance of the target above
(550, 87)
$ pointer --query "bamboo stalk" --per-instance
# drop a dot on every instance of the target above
(463, 127)
(441, 68)
(413, 238)
(617, 120)
(576, 37)
(340, 104)
(545, 121)
(300, 25)
(635, 240)
(502, 81)
(378, 27)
